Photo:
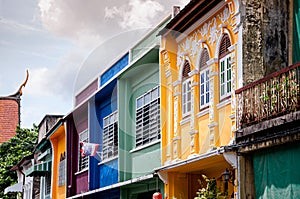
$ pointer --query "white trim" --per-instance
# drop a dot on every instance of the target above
(108, 160)
(177, 94)
(145, 146)
(223, 103)
(202, 113)
(176, 138)
(82, 171)
(193, 132)
(232, 116)
(212, 61)
(212, 125)
(185, 120)
(193, 72)
(109, 187)
(176, 83)
(194, 84)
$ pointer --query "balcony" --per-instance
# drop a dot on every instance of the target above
(267, 102)
(39, 169)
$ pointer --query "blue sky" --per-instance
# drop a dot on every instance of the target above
(53, 40)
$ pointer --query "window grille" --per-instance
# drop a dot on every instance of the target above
(110, 136)
(62, 170)
(148, 117)
(83, 161)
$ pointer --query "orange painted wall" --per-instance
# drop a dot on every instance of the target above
(58, 140)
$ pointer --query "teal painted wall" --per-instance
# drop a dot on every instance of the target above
(135, 191)
(137, 80)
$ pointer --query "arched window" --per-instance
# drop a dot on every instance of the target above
(186, 89)
(204, 79)
(225, 67)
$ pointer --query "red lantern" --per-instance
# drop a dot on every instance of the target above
(157, 195)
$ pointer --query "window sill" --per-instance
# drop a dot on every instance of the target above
(82, 171)
(185, 120)
(144, 146)
(223, 103)
(202, 113)
(108, 160)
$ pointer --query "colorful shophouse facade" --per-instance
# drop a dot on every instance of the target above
(199, 73)
(105, 114)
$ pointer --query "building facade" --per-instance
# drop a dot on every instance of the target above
(267, 136)
(199, 71)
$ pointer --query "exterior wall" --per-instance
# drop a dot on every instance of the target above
(203, 129)
(189, 140)
(9, 118)
(88, 91)
(107, 172)
(114, 69)
(58, 140)
(77, 122)
(139, 79)
(266, 33)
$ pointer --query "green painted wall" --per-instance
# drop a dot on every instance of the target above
(132, 191)
(148, 42)
(140, 78)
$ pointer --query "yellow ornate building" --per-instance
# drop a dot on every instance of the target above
(199, 74)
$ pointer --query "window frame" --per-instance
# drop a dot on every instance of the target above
(186, 100)
(153, 114)
(83, 162)
(205, 85)
(225, 76)
(62, 171)
(110, 123)
(204, 72)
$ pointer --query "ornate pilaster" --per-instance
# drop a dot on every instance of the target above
(213, 80)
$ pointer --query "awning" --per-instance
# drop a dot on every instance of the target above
(117, 185)
(208, 162)
(14, 188)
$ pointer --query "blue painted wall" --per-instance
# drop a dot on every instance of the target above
(105, 103)
(109, 173)
(112, 71)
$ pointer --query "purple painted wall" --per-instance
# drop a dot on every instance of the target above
(82, 184)
(86, 92)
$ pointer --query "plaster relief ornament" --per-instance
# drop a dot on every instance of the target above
(179, 57)
(213, 31)
(186, 45)
(204, 30)
(224, 16)
(195, 45)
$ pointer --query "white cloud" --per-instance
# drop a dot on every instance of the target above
(19, 26)
(136, 14)
(57, 81)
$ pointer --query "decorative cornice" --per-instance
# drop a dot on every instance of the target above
(176, 83)
(212, 61)
(193, 72)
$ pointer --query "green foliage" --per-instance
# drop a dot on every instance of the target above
(209, 189)
(11, 152)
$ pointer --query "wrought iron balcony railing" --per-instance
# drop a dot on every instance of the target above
(275, 95)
